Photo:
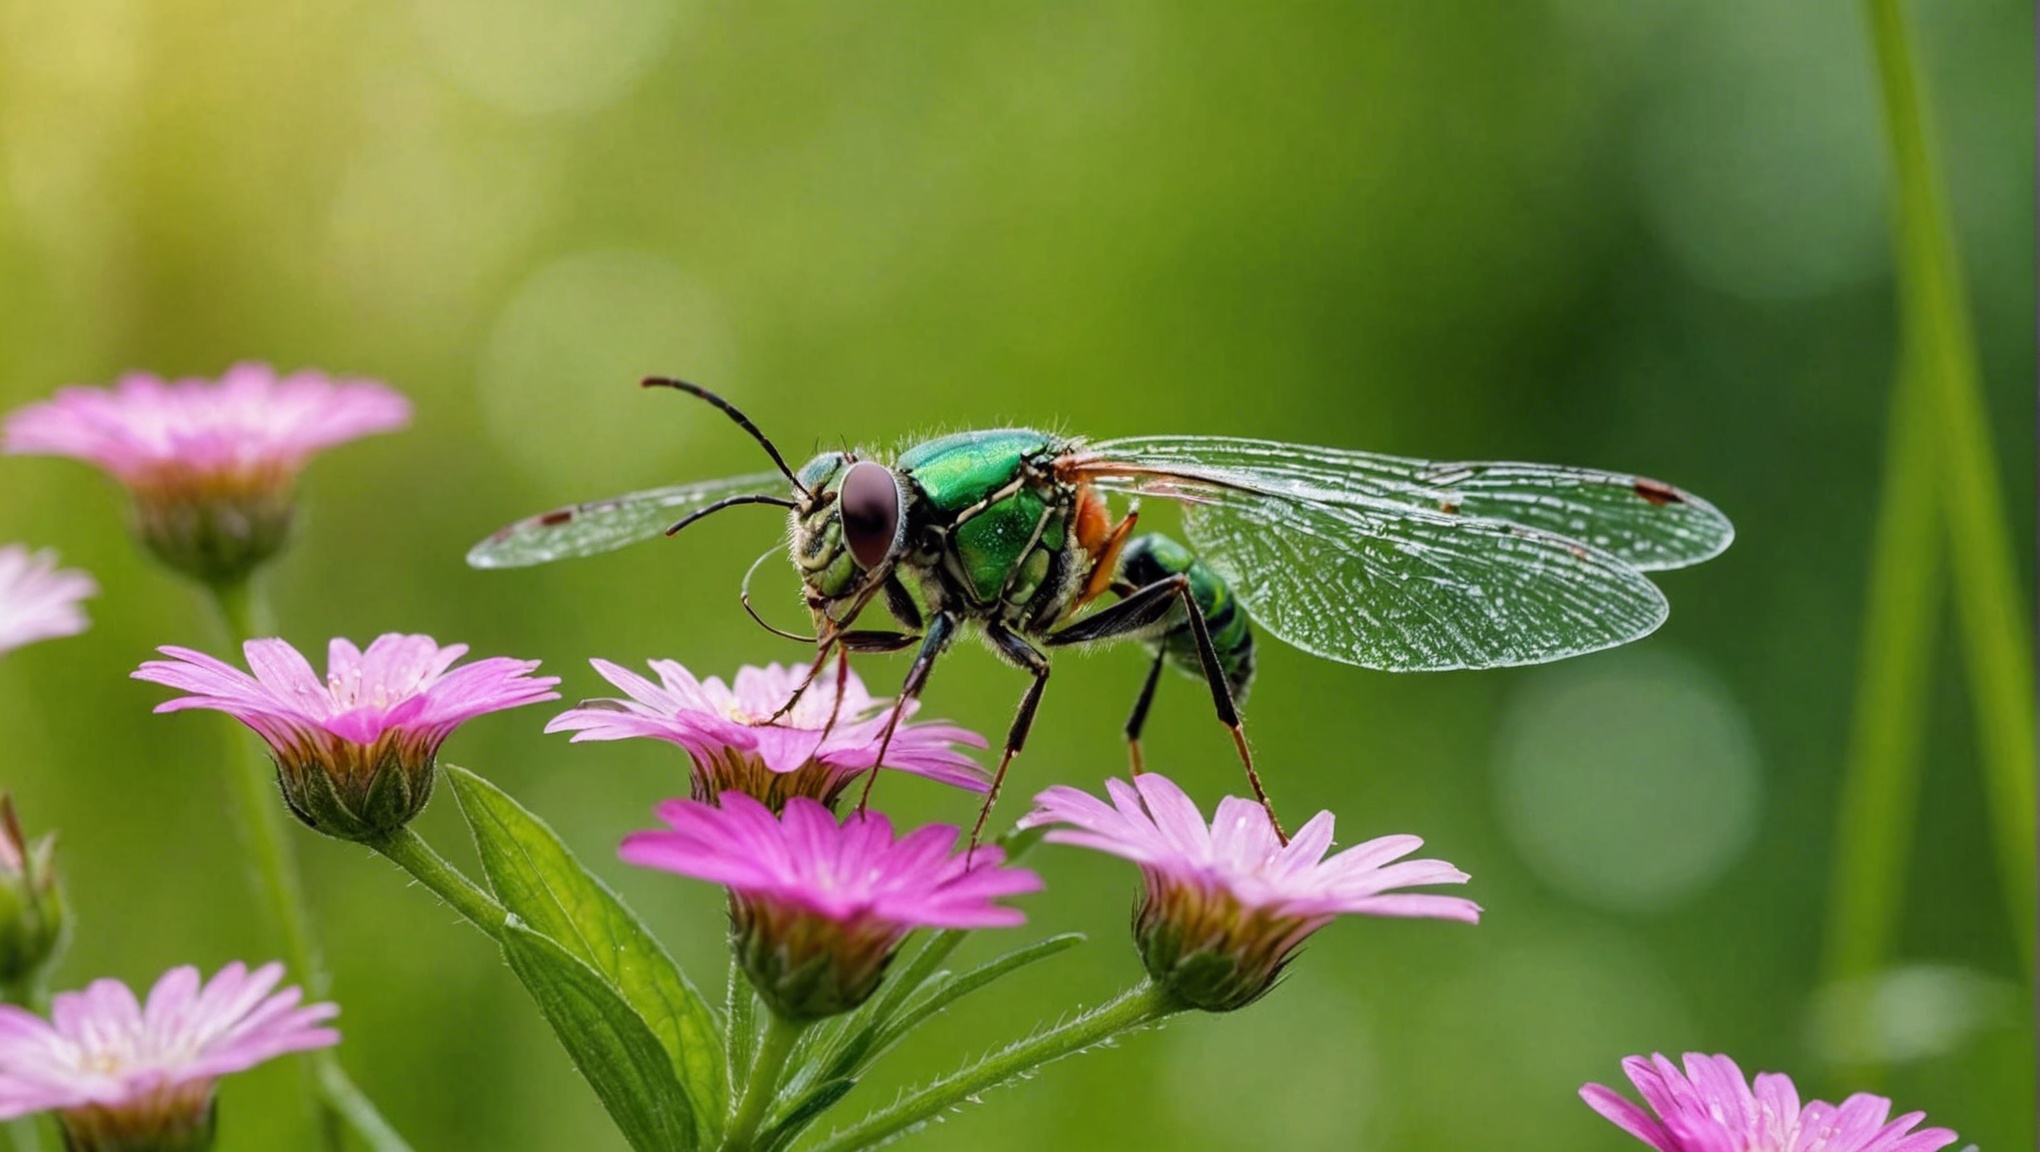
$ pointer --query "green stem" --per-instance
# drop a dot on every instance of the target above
(1935, 328)
(409, 851)
(259, 812)
(761, 1088)
(1137, 1007)
(1873, 839)
(740, 1027)
(251, 780)
(23, 1133)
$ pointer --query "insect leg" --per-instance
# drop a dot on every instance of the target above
(1141, 610)
(1030, 658)
(814, 671)
(1138, 720)
(934, 642)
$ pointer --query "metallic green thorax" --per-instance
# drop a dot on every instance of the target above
(1154, 557)
(1008, 518)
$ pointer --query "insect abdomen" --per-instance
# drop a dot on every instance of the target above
(1153, 557)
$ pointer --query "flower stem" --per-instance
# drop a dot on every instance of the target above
(759, 1090)
(23, 1135)
(409, 851)
(260, 813)
(1136, 1008)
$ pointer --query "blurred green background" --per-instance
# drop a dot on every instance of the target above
(1640, 236)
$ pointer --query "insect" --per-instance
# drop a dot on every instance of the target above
(1372, 560)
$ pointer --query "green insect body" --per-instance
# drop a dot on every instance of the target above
(989, 527)
(1151, 557)
(1378, 561)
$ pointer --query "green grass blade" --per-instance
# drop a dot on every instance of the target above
(1874, 833)
(1936, 331)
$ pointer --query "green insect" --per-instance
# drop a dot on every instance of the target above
(1372, 560)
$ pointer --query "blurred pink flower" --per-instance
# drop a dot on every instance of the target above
(38, 600)
(1227, 904)
(122, 1075)
(212, 465)
(723, 730)
(356, 751)
(1711, 1108)
(819, 906)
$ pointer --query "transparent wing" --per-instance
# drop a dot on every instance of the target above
(1640, 521)
(1414, 591)
(604, 525)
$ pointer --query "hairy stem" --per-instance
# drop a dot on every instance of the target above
(409, 851)
(761, 1087)
(1137, 1007)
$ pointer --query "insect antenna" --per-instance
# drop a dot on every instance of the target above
(729, 502)
(743, 421)
(744, 594)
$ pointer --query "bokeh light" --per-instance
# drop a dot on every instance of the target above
(1629, 782)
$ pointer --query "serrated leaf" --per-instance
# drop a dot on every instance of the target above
(610, 1044)
(539, 879)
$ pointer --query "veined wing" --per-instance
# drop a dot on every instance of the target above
(1402, 588)
(604, 525)
(1640, 521)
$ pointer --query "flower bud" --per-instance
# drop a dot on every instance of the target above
(32, 920)
(217, 537)
(181, 1119)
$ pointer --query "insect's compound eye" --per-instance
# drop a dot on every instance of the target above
(871, 512)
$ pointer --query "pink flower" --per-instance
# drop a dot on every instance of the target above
(1227, 904)
(356, 751)
(122, 1075)
(1710, 1108)
(817, 906)
(38, 600)
(212, 466)
(723, 730)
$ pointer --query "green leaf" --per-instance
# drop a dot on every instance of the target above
(538, 879)
(870, 1037)
(611, 1045)
(804, 1112)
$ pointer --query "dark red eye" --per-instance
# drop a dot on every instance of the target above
(871, 512)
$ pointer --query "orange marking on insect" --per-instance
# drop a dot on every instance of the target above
(1104, 551)
(1094, 519)
(1449, 507)
(1657, 493)
(561, 516)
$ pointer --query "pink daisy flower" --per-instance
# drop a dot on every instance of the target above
(124, 1076)
(32, 918)
(724, 730)
(212, 465)
(356, 750)
(818, 907)
(1228, 903)
(38, 600)
(1711, 1108)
